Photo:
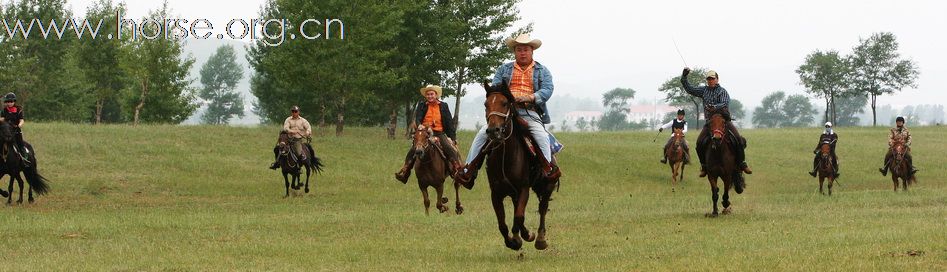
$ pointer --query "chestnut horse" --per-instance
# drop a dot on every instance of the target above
(511, 169)
(826, 170)
(900, 168)
(721, 163)
(431, 169)
(675, 156)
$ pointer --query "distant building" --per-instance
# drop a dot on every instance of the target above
(639, 113)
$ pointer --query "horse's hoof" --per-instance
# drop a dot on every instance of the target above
(541, 245)
(514, 244)
(442, 209)
(530, 238)
(727, 210)
(31, 200)
(307, 190)
(459, 209)
(444, 200)
(710, 215)
(4, 193)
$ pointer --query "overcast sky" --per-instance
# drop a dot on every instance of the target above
(593, 46)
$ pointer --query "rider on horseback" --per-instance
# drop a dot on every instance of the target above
(899, 133)
(433, 113)
(531, 85)
(678, 123)
(716, 100)
(828, 137)
(298, 128)
(13, 114)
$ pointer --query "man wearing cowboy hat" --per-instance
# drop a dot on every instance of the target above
(434, 114)
(829, 137)
(677, 123)
(899, 133)
(531, 85)
(298, 128)
(716, 100)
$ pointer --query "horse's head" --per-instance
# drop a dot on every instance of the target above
(6, 131)
(422, 139)
(499, 110)
(897, 148)
(283, 142)
(717, 127)
(825, 150)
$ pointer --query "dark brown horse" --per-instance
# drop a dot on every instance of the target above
(12, 165)
(512, 170)
(900, 168)
(826, 170)
(431, 169)
(722, 164)
(291, 164)
(675, 156)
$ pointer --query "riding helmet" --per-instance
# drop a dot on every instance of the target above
(9, 97)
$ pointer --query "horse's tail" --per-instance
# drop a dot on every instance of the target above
(317, 163)
(37, 182)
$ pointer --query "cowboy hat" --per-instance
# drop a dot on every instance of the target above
(523, 39)
(434, 88)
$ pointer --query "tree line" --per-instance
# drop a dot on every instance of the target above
(101, 80)
(390, 50)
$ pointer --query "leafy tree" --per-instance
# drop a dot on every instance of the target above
(157, 90)
(798, 111)
(824, 75)
(616, 109)
(478, 29)
(220, 76)
(770, 112)
(878, 69)
(100, 60)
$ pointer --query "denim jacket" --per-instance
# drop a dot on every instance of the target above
(542, 84)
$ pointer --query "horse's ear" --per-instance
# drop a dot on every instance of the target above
(487, 87)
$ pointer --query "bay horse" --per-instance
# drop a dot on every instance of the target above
(675, 157)
(900, 168)
(512, 170)
(431, 169)
(721, 163)
(291, 165)
(826, 170)
(13, 165)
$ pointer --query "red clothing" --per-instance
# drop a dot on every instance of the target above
(433, 117)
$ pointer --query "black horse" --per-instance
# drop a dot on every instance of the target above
(12, 165)
(291, 163)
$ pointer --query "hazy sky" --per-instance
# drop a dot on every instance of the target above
(593, 46)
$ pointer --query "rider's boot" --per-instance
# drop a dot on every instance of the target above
(405, 171)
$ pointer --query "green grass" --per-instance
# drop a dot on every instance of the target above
(201, 198)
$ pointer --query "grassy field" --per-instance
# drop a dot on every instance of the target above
(201, 198)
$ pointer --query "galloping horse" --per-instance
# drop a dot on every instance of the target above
(675, 156)
(431, 169)
(826, 170)
(900, 168)
(290, 164)
(512, 170)
(12, 165)
(722, 164)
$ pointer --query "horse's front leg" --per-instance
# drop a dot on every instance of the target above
(441, 200)
(519, 217)
(831, 181)
(497, 200)
(427, 200)
(715, 195)
(286, 182)
(894, 178)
